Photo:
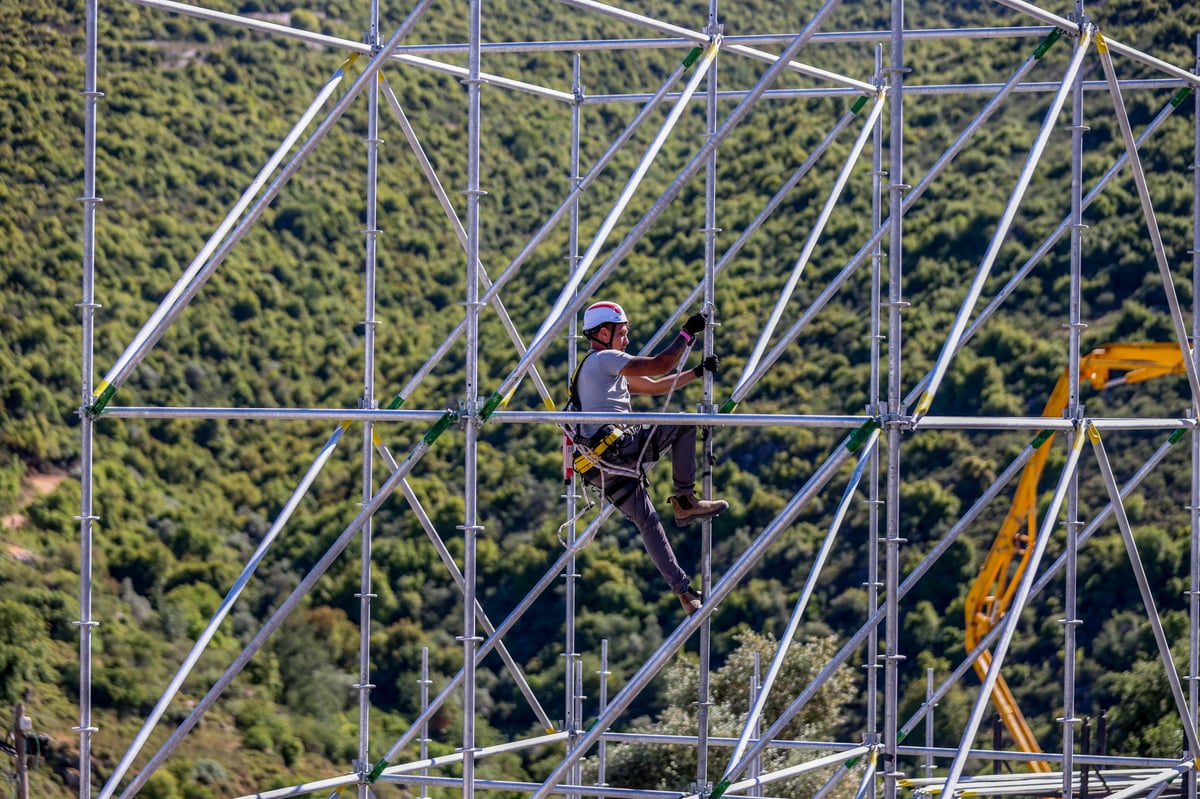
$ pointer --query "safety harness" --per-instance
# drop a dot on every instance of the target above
(583, 456)
(588, 450)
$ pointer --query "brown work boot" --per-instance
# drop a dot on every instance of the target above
(690, 599)
(688, 508)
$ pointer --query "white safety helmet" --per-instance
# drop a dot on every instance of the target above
(603, 313)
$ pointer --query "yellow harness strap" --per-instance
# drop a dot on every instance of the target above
(583, 464)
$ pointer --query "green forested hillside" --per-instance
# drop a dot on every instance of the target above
(190, 111)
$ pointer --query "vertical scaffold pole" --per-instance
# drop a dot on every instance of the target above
(425, 682)
(87, 426)
(572, 723)
(1194, 587)
(896, 188)
(601, 703)
(930, 704)
(754, 770)
(871, 666)
(371, 233)
(1075, 326)
(703, 702)
(471, 415)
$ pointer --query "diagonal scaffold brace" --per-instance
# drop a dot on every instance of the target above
(201, 270)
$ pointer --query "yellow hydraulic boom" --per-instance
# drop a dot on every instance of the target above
(989, 596)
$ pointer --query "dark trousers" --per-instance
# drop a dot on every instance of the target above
(630, 496)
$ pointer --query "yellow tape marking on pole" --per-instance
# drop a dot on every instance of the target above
(923, 405)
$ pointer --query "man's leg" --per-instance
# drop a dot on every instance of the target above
(682, 441)
(687, 506)
(636, 506)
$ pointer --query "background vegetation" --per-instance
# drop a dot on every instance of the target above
(190, 111)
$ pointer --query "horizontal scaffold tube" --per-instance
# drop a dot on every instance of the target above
(924, 90)
(998, 423)
(338, 43)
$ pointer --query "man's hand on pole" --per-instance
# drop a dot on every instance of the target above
(694, 325)
(710, 364)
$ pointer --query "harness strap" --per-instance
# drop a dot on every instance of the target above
(583, 463)
(623, 490)
(572, 389)
(600, 443)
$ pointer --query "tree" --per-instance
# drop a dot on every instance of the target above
(674, 767)
(23, 649)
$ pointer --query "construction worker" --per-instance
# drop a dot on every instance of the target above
(603, 383)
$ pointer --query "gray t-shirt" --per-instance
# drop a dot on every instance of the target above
(601, 386)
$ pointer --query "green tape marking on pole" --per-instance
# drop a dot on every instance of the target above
(396, 402)
(1047, 43)
(858, 104)
(728, 406)
(1181, 95)
(375, 772)
(490, 406)
(720, 789)
(692, 56)
(1175, 436)
(1042, 438)
(851, 763)
(96, 407)
(439, 427)
(861, 434)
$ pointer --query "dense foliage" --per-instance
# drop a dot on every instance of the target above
(190, 111)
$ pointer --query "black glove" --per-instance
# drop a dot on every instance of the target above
(694, 325)
(710, 364)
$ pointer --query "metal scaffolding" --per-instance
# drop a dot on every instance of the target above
(873, 440)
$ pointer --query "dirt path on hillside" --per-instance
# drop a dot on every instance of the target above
(33, 484)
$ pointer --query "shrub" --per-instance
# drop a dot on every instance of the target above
(22, 649)
(161, 785)
(257, 737)
(291, 750)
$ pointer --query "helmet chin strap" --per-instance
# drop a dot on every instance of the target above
(612, 327)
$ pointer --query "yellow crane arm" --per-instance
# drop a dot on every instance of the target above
(990, 594)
